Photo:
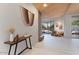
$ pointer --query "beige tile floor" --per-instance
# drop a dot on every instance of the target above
(55, 46)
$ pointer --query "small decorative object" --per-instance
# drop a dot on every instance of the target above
(11, 35)
(16, 38)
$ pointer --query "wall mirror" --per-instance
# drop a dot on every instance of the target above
(27, 16)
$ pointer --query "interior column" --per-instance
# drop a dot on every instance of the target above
(67, 26)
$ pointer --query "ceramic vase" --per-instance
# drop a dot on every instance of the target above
(11, 37)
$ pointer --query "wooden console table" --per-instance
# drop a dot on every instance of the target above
(20, 39)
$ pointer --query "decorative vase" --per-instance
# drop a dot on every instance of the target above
(11, 37)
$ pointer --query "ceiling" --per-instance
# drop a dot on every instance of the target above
(57, 10)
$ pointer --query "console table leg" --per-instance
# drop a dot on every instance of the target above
(9, 50)
(26, 43)
(15, 49)
(30, 43)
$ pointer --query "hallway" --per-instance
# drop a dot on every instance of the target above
(55, 46)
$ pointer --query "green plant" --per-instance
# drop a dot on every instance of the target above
(43, 27)
(75, 22)
(52, 27)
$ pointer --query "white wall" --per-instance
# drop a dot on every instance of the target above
(10, 16)
(67, 26)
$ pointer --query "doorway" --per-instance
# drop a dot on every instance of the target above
(47, 27)
(75, 28)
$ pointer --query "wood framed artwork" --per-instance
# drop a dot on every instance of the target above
(60, 26)
(28, 17)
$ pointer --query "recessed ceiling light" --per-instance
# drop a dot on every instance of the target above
(45, 5)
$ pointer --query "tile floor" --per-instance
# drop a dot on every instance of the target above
(55, 46)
